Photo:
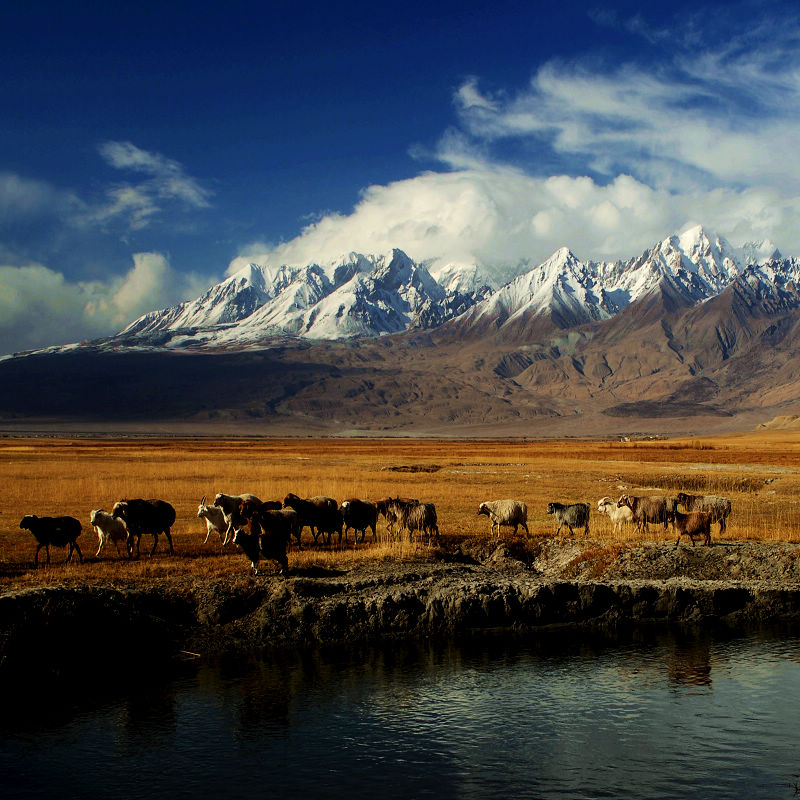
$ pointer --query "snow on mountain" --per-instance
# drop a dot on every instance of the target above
(356, 295)
(694, 264)
(369, 295)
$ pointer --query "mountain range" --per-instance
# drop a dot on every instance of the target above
(692, 334)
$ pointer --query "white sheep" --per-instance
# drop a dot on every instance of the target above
(619, 515)
(107, 527)
(506, 512)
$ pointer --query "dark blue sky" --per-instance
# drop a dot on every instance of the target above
(198, 131)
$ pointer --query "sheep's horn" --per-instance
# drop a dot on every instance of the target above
(203, 501)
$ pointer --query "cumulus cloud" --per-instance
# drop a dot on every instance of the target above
(616, 158)
(39, 307)
(499, 216)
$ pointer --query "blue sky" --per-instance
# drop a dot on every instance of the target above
(147, 149)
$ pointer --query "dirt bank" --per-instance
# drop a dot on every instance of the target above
(67, 629)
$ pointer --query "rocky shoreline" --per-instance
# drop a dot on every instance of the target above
(56, 632)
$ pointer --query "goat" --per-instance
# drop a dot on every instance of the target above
(576, 515)
(107, 527)
(388, 508)
(718, 507)
(58, 531)
(145, 516)
(692, 524)
(229, 503)
(359, 515)
(269, 534)
(276, 518)
(646, 509)
(618, 516)
(215, 521)
(505, 512)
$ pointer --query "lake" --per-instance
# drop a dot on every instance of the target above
(567, 715)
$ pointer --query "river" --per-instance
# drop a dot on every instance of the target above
(567, 715)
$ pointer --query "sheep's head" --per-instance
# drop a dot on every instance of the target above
(28, 521)
(120, 509)
(218, 499)
(93, 516)
(551, 509)
(624, 501)
(482, 509)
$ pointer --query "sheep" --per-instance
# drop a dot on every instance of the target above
(215, 521)
(58, 531)
(646, 509)
(576, 514)
(619, 516)
(416, 517)
(319, 513)
(229, 503)
(359, 515)
(693, 523)
(107, 528)
(145, 516)
(718, 507)
(505, 512)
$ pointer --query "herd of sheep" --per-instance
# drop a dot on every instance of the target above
(264, 529)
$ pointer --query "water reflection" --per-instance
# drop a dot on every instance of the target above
(678, 714)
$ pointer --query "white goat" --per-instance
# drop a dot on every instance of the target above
(215, 521)
(505, 512)
(619, 515)
(107, 527)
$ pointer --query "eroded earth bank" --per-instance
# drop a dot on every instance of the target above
(69, 629)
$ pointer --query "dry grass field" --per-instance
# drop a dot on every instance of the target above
(760, 472)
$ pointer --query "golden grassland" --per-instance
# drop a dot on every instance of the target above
(760, 472)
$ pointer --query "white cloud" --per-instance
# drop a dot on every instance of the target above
(702, 132)
(22, 199)
(499, 216)
(138, 203)
(729, 117)
(39, 307)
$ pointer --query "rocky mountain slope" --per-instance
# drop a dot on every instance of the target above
(690, 336)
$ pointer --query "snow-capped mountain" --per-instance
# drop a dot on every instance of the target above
(691, 266)
(365, 296)
(355, 296)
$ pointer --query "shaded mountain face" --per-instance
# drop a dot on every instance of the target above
(690, 336)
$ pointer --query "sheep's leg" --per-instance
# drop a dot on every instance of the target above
(100, 543)
(36, 557)
(169, 539)
(527, 532)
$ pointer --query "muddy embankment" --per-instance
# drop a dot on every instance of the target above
(59, 631)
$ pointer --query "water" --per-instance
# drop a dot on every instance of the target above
(669, 716)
